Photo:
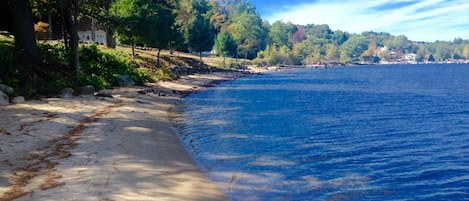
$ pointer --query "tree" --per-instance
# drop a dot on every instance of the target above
(225, 45)
(129, 16)
(371, 49)
(66, 14)
(26, 49)
(161, 25)
(146, 22)
(185, 18)
(331, 53)
(193, 20)
(299, 36)
(69, 12)
(400, 44)
(281, 34)
(218, 17)
(23, 30)
(465, 52)
(339, 37)
(319, 31)
(248, 32)
(201, 36)
(353, 48)
(443, 51)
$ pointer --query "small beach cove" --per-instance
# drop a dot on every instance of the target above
(101, 148)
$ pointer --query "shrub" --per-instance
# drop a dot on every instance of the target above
(56, 51)
(100, 68)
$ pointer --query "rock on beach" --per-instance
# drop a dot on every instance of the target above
(6, 89)
(4, 100)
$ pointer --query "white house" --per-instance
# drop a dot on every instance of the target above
(409, 58)
(87, 36)
(89, 32)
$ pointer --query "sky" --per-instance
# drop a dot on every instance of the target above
(419, 20)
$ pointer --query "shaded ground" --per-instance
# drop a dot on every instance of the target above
(87, 148)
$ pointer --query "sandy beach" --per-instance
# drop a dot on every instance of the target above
(102, 148)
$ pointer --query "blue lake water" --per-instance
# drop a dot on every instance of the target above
(363, 133)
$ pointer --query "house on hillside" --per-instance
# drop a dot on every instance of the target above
(90, 32)
(409, 58)
(369, 59)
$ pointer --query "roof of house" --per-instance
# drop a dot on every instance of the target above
(84, 24)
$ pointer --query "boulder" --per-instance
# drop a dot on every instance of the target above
(180, 70)
(125, 81)
(18, 100)
(104, 93)
(87, 90)
(6, 89)
(175, 71)
(4, 100)
(66, 93)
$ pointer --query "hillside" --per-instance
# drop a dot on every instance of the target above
(99, 67)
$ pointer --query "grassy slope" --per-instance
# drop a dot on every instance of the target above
(145, 64)
(181, 58)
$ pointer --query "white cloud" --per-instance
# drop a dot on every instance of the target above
(425, 20)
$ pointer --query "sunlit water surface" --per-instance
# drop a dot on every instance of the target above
(362, 133)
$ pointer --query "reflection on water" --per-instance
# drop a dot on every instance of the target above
(367, 133)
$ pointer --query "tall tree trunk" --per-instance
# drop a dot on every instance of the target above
(224, 60)
(93, 30)
(133, 51)
(200, 56)
(65, 35)
(245, 59)
(76, 57)
(110, 42)
(158, 58)
(237, 50)
(170, 49)
(50, 30)
(23, 30)
(70, 15)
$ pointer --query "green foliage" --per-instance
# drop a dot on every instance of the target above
(7, 57)
(353, 48)
(127, 12)
(281, 34)
(233, 25)
(319, 31)
(55, 51)
(225, 44)
(8, 63)
(160, 24)
(274, 56)
(247, 28)
(201, 33)
(100, 69)
(163, 74)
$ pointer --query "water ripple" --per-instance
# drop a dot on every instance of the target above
(387, 133)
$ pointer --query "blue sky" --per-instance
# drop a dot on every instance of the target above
(419, 20)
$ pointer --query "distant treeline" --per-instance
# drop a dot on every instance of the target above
(225, 27)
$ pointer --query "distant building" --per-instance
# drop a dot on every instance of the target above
(369, 59)
(409, 58)
(393, 55)
(90, 32)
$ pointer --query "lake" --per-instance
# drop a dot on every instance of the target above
(395, 132)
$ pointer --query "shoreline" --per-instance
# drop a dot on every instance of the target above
(101, 148)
